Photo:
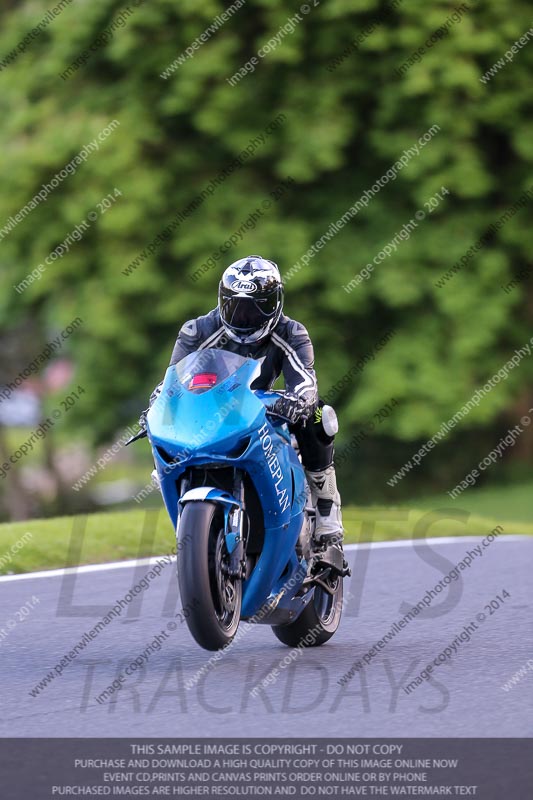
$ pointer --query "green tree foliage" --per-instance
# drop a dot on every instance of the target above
(343, 126)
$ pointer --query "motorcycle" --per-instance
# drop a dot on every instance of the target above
(236, 492)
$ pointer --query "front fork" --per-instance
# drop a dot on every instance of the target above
(235, 531)
(233, 507)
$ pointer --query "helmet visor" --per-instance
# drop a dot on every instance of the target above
(247, 314)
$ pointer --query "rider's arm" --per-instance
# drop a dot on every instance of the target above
(298, 368)
(187, 342)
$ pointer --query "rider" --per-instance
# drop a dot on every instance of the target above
(249, 320)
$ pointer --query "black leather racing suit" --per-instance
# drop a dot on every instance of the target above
(288, 350)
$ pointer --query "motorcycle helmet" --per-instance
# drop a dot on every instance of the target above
(250, 299)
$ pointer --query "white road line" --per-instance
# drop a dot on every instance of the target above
(435, 540)
(58, 573)
(145, 562)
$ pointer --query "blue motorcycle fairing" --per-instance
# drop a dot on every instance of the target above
(207, 415)
(183, 420)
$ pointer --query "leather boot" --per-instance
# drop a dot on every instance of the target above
(327, 501)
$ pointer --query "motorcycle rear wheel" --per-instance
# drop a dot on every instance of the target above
(212, 597)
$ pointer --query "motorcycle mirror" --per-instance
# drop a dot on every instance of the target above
(140, 435)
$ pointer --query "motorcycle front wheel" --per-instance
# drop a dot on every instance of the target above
(210, 595)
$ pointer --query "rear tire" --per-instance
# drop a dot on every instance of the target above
(211, 598)
(318, 621)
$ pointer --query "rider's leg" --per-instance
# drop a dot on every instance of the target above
(316, 440)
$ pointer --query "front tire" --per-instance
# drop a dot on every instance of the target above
(213, 598)
(318, 621)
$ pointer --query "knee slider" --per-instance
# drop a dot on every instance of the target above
(330, 421)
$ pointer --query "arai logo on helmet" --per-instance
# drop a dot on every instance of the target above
(244, 286)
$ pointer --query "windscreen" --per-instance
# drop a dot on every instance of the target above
(203, 370)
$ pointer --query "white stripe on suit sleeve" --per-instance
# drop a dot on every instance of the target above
(308, 382)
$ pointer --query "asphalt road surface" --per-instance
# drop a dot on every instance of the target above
(462, 697)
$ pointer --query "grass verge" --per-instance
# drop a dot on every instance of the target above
(116, 536)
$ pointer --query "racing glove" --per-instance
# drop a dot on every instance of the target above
(291, 406)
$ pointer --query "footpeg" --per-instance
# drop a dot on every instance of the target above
(332, 557)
